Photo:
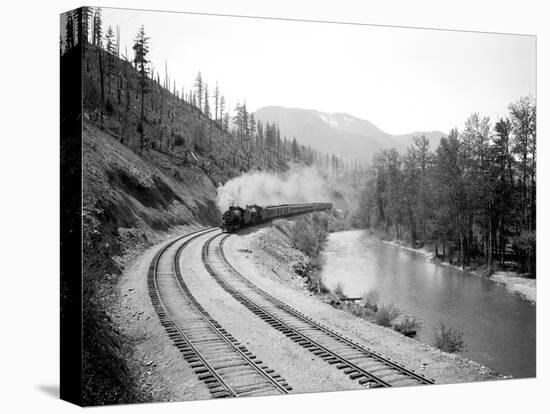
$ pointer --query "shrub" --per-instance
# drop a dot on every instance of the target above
(309, 233)
(339, 290)
(408, 326)
(449, 339)
(179, 141)
(316, 282)
(370, 300)
(386, 314)
(305, 239)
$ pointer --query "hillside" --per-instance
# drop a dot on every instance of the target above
(112, 102)
(134, 194)
(339, 133)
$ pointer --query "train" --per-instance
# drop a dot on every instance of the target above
(237, 217)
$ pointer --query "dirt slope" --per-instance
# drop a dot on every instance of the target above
(147, 193)
(129, 201)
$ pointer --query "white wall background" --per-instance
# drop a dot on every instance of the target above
(30, 207)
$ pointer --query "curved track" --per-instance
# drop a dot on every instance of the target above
(360, 363)
(226, 367)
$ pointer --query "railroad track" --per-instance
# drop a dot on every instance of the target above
(218, 359)
(360, 363)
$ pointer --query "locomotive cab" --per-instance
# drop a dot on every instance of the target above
(255, 213)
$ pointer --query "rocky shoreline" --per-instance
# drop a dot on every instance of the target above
(525, 287)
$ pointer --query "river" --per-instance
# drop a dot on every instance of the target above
(499, 326)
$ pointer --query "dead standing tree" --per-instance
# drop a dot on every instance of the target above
(102, 80)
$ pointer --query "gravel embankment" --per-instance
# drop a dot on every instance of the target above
(161, 370)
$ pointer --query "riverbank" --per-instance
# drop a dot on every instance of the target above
(514, 282)
(527, 288)
(277, 262)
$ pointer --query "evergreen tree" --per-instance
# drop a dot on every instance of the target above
(216, 102)
(504, 188)
(222, 107)
(225, 123)
(141, 49)
(294, 149)
(69, 32)
(82, 17)
(96, 28)
(252, 125)
(244, 125)
(206, 101)
(110, 47)
(523, 127)
(260, 131)
(238, 119)
(199, 91)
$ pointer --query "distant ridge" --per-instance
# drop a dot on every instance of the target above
(339, 133)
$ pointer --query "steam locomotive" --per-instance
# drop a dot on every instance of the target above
(236, 217)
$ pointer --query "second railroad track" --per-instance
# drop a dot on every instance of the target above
(360, 363)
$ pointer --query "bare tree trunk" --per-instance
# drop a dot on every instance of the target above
(119, 89)
(142, 116)
(161, 112)
(102, 84)
(490, 247)
(210, 134)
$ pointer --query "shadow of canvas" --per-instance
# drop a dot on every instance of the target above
(49, 389)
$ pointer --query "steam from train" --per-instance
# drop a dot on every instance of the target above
(298, 185)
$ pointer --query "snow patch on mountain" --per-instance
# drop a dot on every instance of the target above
(332, 122)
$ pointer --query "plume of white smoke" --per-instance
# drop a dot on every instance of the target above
(298, 185)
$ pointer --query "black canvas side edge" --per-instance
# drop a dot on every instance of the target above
(71, 225)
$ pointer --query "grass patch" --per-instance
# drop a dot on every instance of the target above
(449, 339)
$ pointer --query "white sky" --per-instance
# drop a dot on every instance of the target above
(402, 80)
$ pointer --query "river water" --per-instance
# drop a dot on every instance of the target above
(498, 325)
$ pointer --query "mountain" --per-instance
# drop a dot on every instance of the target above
(338, 133)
